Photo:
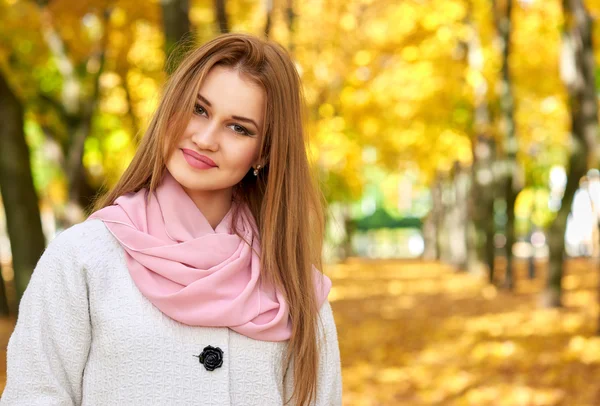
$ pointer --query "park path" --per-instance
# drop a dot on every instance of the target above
(419, 333)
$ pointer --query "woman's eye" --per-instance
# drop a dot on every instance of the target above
(239, 129)
(198, 109)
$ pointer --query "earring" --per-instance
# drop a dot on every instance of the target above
(256, 170)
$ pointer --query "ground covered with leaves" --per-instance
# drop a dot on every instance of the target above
(414, 333)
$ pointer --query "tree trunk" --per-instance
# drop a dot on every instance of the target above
(461, 210)
(489, 229)
(221, 15)
(512, 189)
(578, 74)
(551, 297)
(482, 205)
(79, 188)
(480, 241)
(291, 23)
(452, 239)
(350, 230)
(430, 237)
(269, 19)
(436, 215)
(512, 181)
(176, 25)
(19, 197)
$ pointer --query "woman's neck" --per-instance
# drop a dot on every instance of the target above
(214, 205)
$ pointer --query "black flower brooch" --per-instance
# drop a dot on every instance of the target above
(211, 357)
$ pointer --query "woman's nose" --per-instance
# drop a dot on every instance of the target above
(206, 137)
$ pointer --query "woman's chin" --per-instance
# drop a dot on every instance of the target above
(193, 185)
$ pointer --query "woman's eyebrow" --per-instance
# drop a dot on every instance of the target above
(202, 98)
(248, 120)
(245, 119)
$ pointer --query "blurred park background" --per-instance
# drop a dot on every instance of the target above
(456, 142)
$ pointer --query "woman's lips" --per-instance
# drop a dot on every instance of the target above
(196, 160)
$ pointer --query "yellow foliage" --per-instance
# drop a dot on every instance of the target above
(401, 77)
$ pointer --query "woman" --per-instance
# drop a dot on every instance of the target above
(195, 280)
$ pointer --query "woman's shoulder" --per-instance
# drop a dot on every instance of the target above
(65, 263)
(87, 233)
(74, 255)
(80, 241)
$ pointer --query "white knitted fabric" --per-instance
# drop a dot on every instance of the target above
(85, 335)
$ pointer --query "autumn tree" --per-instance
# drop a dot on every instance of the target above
(221, 16)
(19, 197)
(481, 226)
(510, 178)
(578, 74)
(176, 26)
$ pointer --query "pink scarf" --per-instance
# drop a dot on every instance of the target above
(194, 274)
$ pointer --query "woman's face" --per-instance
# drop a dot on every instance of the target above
(220, 143)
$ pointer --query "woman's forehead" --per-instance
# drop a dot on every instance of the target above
(229, 92)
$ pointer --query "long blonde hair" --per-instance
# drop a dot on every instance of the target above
(284, 199)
